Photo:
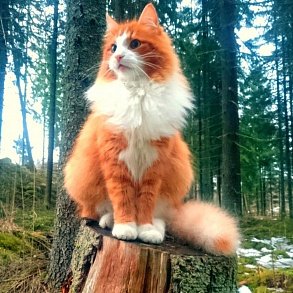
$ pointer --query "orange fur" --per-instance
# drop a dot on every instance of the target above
(94, 174)
(161, 44)
(99, 181)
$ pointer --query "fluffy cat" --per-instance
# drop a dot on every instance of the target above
(129, 166)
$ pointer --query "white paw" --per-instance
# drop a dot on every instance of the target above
(160, 225)
(127, 231)
(152, 233)
(106, 221)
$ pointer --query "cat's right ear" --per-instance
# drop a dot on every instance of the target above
(111, 23)
(149, 16)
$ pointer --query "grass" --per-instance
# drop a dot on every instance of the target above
(25, 229)
(25, 244)
(267, 228)
(26, 233)
(259, 279)
(24, 251)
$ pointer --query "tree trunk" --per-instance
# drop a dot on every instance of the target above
(4, 16)
(263, 195)
(84, 33)
(219, 183)
(52, 105)
(287, 132)
(200, 136)
(271, 192)
(291, 128)
(280, 132)
(26, 140)
(105, 264)
(231, 192)
(20, 58)
(207, 188)
(43, 142)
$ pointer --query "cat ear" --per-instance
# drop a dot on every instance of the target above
(111, 23)
(149, 16)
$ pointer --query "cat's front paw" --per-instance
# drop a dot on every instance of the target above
(152, 233)
(126, 231)
(107, 221)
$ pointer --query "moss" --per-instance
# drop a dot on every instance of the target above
(267, 228)
(203, 274)
(258, 278)
(41, 219)
(261, 279)
(261, 289)
(280, 252)
(13, 243)
(6, 257)
(23, 261)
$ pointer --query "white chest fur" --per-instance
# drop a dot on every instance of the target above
(143, 111)
(139, 155)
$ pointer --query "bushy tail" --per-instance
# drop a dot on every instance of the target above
(206, 226)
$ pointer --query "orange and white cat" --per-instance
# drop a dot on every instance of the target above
(129, 167)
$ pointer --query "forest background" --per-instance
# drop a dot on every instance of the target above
(238, 58)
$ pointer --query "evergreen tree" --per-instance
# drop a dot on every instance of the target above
(52, 105)
(4, 16)
(84, 33)
(20, 29)
(258, 138)
(231, 197)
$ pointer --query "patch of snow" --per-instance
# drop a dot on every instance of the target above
(266, 261)
(244, 289)
(284, 263)
(264, 256)
(265, 250)
(249, 266)
(250, 252)
(265, 241)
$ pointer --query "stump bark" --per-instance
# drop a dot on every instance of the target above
(103, 264)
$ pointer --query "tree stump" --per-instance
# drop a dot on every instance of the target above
(103, 264)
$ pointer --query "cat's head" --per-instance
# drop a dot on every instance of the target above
(138, 49)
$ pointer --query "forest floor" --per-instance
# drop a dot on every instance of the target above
(25, 242)
(265, 257)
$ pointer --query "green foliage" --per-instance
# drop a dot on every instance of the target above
(14, 244)
(41, 219)
(25, 229)
(20, 187)
(258, 131)
(267, 228)
(23, 261)
(259, 279)
(263, 279)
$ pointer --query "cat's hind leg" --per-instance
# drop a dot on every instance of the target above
(107, 221)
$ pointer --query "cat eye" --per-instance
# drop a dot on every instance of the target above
(134, 44)
(113, 48)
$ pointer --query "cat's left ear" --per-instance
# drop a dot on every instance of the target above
(111, 23)
(149, 16)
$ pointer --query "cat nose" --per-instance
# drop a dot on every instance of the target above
(119, 57)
